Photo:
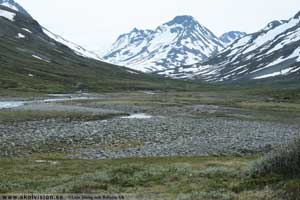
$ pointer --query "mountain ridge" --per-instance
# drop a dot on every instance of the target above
(181, 41)
(271, 52)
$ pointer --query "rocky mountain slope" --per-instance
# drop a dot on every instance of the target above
(274, 51)
(182, 41)
(75, 47)
(230, 37)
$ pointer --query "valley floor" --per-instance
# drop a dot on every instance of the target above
(193, 145)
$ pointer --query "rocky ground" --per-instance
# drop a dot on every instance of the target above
(185, 130)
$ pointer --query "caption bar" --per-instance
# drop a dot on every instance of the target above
(61, 197)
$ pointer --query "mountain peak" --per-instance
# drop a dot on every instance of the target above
(183, 19)
(135, 30)
(297, 15)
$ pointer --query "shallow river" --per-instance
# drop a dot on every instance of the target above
(14, 104)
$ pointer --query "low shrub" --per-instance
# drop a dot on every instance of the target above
(282, 161)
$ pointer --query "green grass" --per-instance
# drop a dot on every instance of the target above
(9, 116)
(207, 177)
(235, 104)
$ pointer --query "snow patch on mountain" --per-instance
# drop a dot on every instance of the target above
(76, 48)
(27, 30)
(20, 36)
(14, 6)
(277, 73)
(11, 6)
(39, 58)
(8, 15)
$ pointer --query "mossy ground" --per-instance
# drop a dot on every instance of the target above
(185, 177)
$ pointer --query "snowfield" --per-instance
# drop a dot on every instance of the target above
(8, 15)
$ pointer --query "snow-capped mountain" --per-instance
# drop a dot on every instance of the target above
(274, 51)
(182, 41)
(230, 37)
(14, 5)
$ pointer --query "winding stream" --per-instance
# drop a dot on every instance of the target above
(14, 104)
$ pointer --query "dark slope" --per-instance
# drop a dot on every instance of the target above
(31, 61)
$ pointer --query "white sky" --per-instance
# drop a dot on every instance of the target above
(96, 24)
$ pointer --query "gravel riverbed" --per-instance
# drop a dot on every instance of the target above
(173, 131)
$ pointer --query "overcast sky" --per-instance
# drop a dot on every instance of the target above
(96, 24)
